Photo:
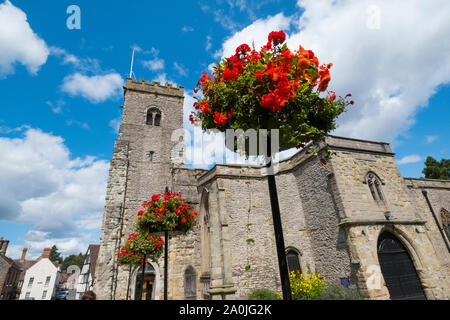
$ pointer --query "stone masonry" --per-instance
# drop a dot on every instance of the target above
(328, 211)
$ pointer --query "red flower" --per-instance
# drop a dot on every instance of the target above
(243, 48)
(230, 114)
(277, 37)
(303, 63)
(220, 119)
(324, 82)
(204, 106)
(332, 97)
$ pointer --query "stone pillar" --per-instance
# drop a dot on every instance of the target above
(222, 287)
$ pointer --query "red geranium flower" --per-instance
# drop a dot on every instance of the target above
(277, 37)
(243, 49)
(220, 119)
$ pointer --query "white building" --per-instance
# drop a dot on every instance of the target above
(41, 279)
(86, 278)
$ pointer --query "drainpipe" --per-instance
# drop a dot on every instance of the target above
(424, 192)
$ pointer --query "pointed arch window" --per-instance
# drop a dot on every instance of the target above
(293, 261)
(153, 117)
(374, 183)
(190, 284)
(445, 217)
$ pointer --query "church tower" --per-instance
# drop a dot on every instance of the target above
(142, 165)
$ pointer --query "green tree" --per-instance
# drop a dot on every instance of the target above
(437, 170)
(73, 259)
(55, 255)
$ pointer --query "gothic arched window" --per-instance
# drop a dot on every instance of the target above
(445, 217)
(153, 117)
(293, 261)
(190, 284)
(374, 183)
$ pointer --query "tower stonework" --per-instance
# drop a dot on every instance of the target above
(337, 217)
(141, 166)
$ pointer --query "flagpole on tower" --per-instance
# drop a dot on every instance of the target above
(132, 61)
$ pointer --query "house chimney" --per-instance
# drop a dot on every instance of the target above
(46, 253)
(3, 246)
(24, 253)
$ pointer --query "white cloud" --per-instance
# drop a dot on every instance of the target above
(390, 55)
(57, 106)
(60, 197)
(162, 79)
(187, 29)
(94, 88)
(409, 159)
(115, 124)
(84, 65)
(256, 34)
(82, 125)
(182, 71)
(430, 139)
(154, 64)
(208, 43)
(18, 42)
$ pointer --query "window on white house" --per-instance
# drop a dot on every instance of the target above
(44, 294)
(30, 282)
(47, 281)
(27, 295)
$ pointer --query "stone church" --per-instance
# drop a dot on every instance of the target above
(355, 219)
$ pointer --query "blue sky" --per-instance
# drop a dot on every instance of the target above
(57, 133)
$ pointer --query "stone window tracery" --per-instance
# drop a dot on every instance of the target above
(445, 217)
(153, 117)
(374, 183)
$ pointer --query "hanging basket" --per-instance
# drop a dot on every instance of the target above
(167, 212)
(274, 88)
(138, 246)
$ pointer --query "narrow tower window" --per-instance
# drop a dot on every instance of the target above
(157, 119)
(445, 216)
(190, 284)
(150, 155)
(153, 117)
(374, 183)
(293, 262)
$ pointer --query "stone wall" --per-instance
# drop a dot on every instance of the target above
(328, 212)
(438, 193)
(364, 218)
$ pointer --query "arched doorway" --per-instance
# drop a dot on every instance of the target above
(398, 269)
(148, 283)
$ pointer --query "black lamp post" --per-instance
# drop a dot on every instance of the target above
(166, 250)
(278, 230)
